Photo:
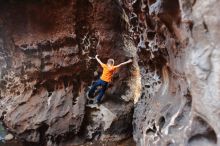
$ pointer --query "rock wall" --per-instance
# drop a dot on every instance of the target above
(178, 105)
(169, 93)
(47, 64)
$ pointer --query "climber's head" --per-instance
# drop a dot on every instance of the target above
(110, 62)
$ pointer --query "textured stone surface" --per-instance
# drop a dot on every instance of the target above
(182, 108)
(47, 64)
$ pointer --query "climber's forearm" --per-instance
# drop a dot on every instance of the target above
(99, 61)
(124, 63)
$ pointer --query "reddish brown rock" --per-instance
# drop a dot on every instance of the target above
(47, 63)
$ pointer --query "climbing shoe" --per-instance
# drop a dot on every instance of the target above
(96, 102)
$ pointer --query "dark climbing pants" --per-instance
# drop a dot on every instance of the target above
(101, 91)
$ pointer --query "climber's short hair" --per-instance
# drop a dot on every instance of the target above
(110, 61)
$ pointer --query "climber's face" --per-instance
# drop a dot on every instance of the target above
(110, 62)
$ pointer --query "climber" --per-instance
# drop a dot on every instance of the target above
(108, 71)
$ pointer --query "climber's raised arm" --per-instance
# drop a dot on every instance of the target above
(99, 61)
(124, 63)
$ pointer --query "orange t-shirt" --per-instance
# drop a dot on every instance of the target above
(107, 72)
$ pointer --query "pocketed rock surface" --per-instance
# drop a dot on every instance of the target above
(168, 95)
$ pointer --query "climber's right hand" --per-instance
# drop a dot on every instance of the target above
(130, 60)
